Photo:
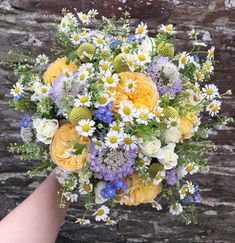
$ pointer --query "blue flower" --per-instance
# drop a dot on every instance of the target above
(130, 39)
(25, 122)
(197, 197)
(115, 43)
(105, 114)
(17, 97)
(196, 187)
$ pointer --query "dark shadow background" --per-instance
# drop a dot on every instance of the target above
(29, 26)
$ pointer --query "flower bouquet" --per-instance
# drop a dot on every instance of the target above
(119, 113)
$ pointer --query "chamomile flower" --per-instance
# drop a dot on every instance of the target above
(156, 205)
(143, 116)
(85, 188)
(105, 51)
(173, 123)
(83, 100)
(211, 53)
(143, 160)
(126, 48)
(191, 168)
(129, 142)
(159, 177)
(113, 139)
(82, 76)
(42, 59)
(142, 58)
(101, 213)
(210, 91)
(85, 127)
(75, 38)
(110, 80)
(83, 221)
(159, 113)
(127, 111)
(183, 60)
(168, 29)
(208, 67)
(99, 41)
(105, 66)
(85, 18)
(88, 67)
(214, 107)
(198, 75)
(190, 187)
(130, 86)
(92, 13)
(193, 34)
(183, 192)
(64, 25)
(18, 90)
(117, 127)
(99, 144)
(40, 92)
(103, 100)
(193, 96)
(176, 209)
(131, 61)
(141, 30)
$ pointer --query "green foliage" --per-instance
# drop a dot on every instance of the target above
(24, 104)
(45, 108)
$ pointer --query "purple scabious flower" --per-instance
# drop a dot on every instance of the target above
(112, 165)
(171, 177)
(64, 88)
(166, 76)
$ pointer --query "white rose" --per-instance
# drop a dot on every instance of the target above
(46, 129)
(98, 197)
(151, 148)
(147, 45)
(167, 157)
(171, 136)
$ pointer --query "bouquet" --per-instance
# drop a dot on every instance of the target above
(119, 113)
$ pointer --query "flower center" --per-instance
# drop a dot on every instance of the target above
(102, 100)
(44, 90)
(84, 99)
(127, 110)
(209, 92)
(86, 187)
(141, 57)
(109, 80)
(169, 28)
(17, 90)
(140, 30)
(113, 139)
(82, 77)
(86, 128)
(128, 141)
(100, 212)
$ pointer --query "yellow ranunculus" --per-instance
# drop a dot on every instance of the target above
(145, 94)
(139, 191)
(63, 140)
(56, 68)
(186, 125)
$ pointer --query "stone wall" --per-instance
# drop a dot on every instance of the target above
(28, 25)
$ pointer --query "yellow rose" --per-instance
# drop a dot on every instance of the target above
(140, 192)
(56, 68)
(186, 125)
(145, 94)
(63, 140)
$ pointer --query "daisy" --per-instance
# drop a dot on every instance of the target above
(101, 213)
(113, 139)
(143, 160)
(173, 123)
(75, 38)
(130, 86)
(190, 187)
(191, 168)
(92, 13)
(83, 100)
(143, 116)
(168, 29)
(183, 60)
(176, 209)
(64, 25)
(211, 52)
(159, 177)
(141, 30)
(17, 90)
(42, 59)
(85, 127)
(117, 127)
(103, 100)
(98, 143)
(129, 142)
(83, 76)
(40, 92)
(85, 188)
(131, 61)
(142, 58)
(210, 91)
(87, 67)
(198, 75)
(105, 66)
(110, 80)
(214, 107)
(99, 41)
(193, 34)
(85, 18)
(156, 205)
(127, 111)
(158, 113)
(83, 221)
(208, 67)
(183, 192)
(125, 48)
(193, 97)
(105, 51)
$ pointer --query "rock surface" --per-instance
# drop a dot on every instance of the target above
(28, 25)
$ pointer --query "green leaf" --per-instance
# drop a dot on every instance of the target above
(79, 148)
